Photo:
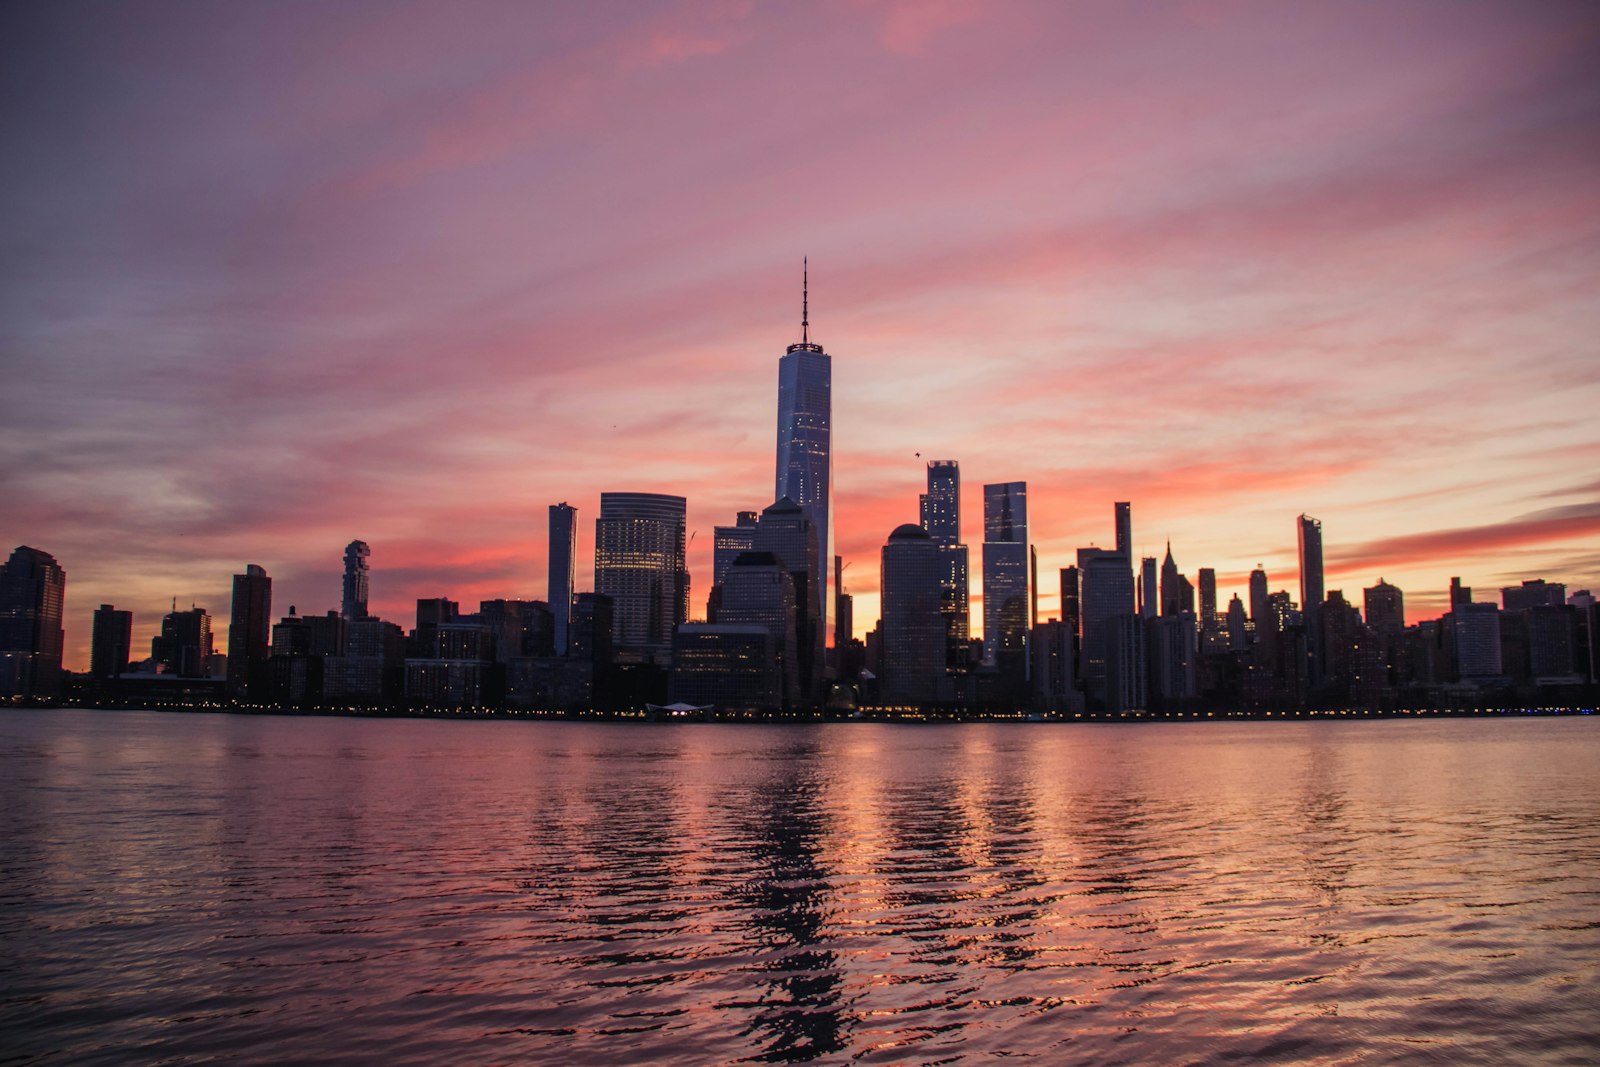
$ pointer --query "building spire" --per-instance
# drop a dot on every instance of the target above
(805, 300)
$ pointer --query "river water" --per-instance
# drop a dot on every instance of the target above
(209, 888)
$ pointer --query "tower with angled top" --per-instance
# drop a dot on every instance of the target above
(805, 440)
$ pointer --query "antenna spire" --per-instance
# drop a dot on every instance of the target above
(805, 300)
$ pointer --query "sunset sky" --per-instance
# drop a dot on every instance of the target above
(274, 276)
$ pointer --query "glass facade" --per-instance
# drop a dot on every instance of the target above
(639, 564)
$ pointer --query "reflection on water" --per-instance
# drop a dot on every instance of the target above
(182, 888)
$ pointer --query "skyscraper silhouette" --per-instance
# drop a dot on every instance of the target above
(32, 592)
(1006, 597)
(112, 641)
(941, 517)
(250, 634)
(913, 626)
(805, 439)
(355, 581)
(563, 546)
(1312, 593)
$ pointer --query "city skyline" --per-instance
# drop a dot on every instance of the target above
(1196, 270)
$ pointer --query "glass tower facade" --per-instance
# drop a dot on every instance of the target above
(639, 564)
(1006, 597)
(941, 517)
(356, 571)
(805, 443)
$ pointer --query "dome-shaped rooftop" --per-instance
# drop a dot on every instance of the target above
(909, 532)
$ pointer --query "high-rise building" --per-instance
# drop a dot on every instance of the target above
(786, 532)
(112, 642)
(1105, 594)
(805, 439)
(1124, 515)
(1238, 625)
(1149, 591)
(1212, 637)
(1477, 641)
(355, 580)
(759, 590)
(184, 645)
(1312, 594)
(1070, 614)
(1385, 608)
(1171, 585)
(639, 563)
(912, 625)
(1258, 600)
(32, 593)
(250, 634)
(1459, 594)
(558, 590)
(1006, 597)
(941, 504)
(941, 518)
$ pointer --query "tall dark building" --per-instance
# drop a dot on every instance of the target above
(760, 590)
(1259, 608)
(639, 563)
(250, 634)
(1070, 614)
(1212, 638)
(805, 439)
(1535, 593)
(112, 642)
(355, 580)
(1149, 589)
(1124, 513)
(786, 531)
(941, 518)
(1113, 641)
(563, 549)
(32, 592)
(184, 645)
(1385, 608)
(1312, 593)
(1006, 597)
(1459, 594)
(912, 626)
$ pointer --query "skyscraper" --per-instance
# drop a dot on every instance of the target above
(941, 518)
(1006, 598)
(1259, 608)
(184, 644)
(913, 625)
(1149, 591)
(355, 581)
(639, 563)
(1105, 598)
(563, 547)
(805, 439)
(250, 634)
(1385, 608)
(1211, 631)
(1124, 513)
(786, 532)
(112, 642)
(1312, 593)
(32, 592)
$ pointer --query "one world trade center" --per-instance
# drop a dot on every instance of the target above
(805, 443)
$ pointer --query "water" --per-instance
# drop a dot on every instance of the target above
(196, 888)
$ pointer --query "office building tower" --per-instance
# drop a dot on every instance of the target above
(727, 542)
(1459, 594)
(1238, 625)
(1170, 648)
(639, 563)
(805, 439)
(355, 580)
(941, 504)
(250, 634)
(786, 532)
(1124, 519)
(1171, 587)
(1070, 615)
(1477, 641)
(1312, 594)
(32, 594)
(112, 642)
(1149, 591)
(843, 607)
(1385, 608)
(559, 585)
(1106, 594)
(592, 638)
(759, 590)
(941, 518)
(184, 645)
(1258, 599)
(1007, 598)
(1213, 637)
(912, 627)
